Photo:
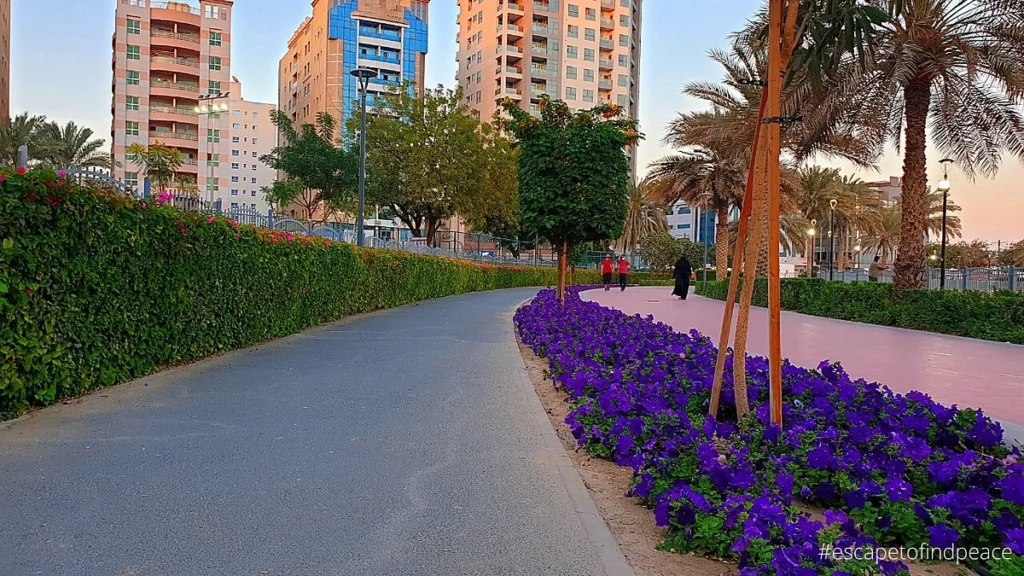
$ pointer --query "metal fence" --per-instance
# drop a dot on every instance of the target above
(968, 279)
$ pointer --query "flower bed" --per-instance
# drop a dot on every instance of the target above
(887, 470)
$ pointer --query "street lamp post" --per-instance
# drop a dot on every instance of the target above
(810, 248)
(363, 75)
(831, 240)
(704, 231)
(944, 186)
(207, 107)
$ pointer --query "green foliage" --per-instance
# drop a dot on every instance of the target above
(97, 289)
(660, 251)
(428, 158)
(72, 146)
(998, 316)
(158, 161)
(328, 174)
(573, 171)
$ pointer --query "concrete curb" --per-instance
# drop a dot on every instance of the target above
(605, 547)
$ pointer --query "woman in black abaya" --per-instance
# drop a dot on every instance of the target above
(682, 277)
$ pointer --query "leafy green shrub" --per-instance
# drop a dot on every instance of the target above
(998, 316)
(97, 289)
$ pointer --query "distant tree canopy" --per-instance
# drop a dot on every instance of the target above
(573, 172)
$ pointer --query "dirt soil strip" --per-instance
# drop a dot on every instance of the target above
(631, 524)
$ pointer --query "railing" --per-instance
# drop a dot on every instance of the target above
(179, 61)
(175, 35)
(538, 71)
(381, 57)
(544, 29)
(509, 48)
(179, 111)
(542, 6)
(607, 63)
(179, 135)
(176, 7)
(185, 86)
(511, 6)
(608, 4)
(604, 84)
(960, 279)
(380, 34)
(607, 22)
(607, 44)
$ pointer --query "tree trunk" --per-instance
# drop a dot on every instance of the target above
(844, 243)
(722, 244)
(563, 265)
(762, 254)
(910, 263)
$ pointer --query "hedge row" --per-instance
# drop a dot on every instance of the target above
(96, 289)
(997, 316)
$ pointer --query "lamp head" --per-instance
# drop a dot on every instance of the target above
(944, 185)
(811, 232)
(832, 203)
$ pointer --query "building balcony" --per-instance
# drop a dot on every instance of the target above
(173, 114)
(607, 44)
(189, 166)
(606, 64)
(536, 90)
(604, 84)
(541, 7)
(382, 61)
(175, 12)
(607, 24)
(189, 140)
(176, 65)
(161, 87)
(511, 71)
(169, 39)
(389, 35)
(511, 29)
(543, 71)
(514, 93)
(546, 30)
(511, 7)
(608, 4)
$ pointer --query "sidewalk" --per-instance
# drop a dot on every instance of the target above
(962, 371)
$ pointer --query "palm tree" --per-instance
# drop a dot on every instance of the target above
(20, 131)
(72, 146)
(158, 161)
(951, 66)
(645, 215)
(933, 222)
(707, 178)
(884, 239)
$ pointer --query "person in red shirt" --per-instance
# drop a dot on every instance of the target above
(623, 272)
(606, 271)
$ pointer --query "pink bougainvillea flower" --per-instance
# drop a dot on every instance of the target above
(210, 220)
(28, 292)
(164, 197)
(62, 174)
(21, 169)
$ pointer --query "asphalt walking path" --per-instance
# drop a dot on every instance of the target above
(403, 442)
(966, 372)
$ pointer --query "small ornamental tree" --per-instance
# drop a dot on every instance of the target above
(573, 173)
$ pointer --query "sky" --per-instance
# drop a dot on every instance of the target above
(60, 67)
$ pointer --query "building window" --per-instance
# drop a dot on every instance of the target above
(254, 156)
(234, 178)
(253, 166)
(588, 75)
(588, 95)
(234, 139)
(254, 195)
(623, 80)
(234, 165)
(213, 136)
(590, 34)
(215, 160)
(255, 115)
(624, 3)
(254, 141)
(624, 40)
(624, 20)
(570, 93)
(623, 100)
(591, 14)
(132, 103)
(588, 54)
(133, 77)
(214, 87)
(134, 53)
(234, 152)
(236, 126)
(214, 62)
(624, 60)
(574, 31)
(134, 26)
(571, 51)
(131, 128)
(131, 179)
(253, 180)
(574, 11)
(570, 72)
(234, 205)
(234, 191)
(216, 38)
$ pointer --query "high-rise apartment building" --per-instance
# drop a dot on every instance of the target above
(253, 135)
(585, 52)
(167, 54)
(5, 58)
(389, 36)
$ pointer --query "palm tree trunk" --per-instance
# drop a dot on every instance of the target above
(722, 244)
(844, 244)
(910, 263)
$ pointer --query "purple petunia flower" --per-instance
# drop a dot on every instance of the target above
(1015, 541)
(942, 536)
(899, 490)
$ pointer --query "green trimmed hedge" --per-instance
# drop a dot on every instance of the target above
(96, 289)
(998, 316)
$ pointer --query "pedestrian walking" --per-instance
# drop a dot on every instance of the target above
(623, 272)
(875, 270)
(606, 271)
(681, 274)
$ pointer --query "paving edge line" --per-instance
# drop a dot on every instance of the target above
(612, 559)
